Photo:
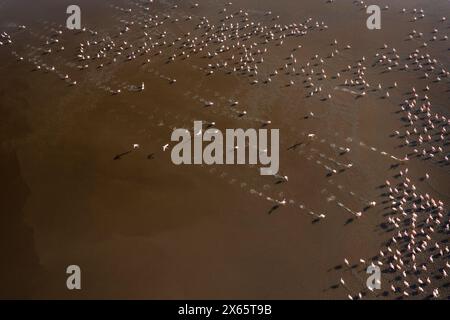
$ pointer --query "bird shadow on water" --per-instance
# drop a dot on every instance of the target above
(274, 208)
(119, 156)
(349, 221)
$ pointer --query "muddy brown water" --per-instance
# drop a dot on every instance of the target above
(141, 227)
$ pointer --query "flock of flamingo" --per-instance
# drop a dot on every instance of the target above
(415, 258)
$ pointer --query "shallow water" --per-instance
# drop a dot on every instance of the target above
(141, 227)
